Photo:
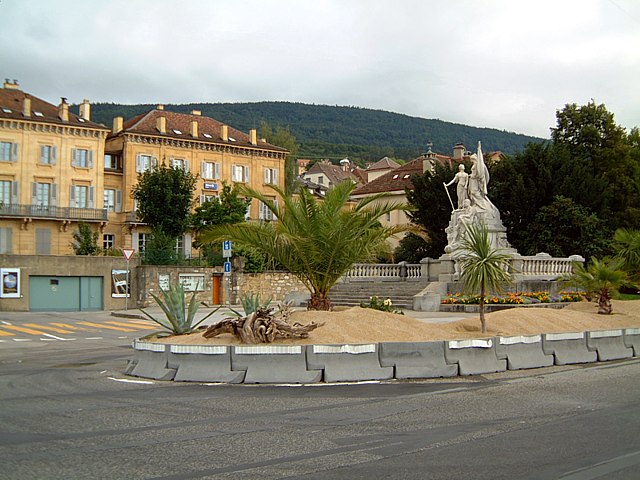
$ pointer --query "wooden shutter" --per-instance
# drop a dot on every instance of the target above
(54, 194)
(74, 157)
(118, 201)
(266, 175)
(5, 240)
(14, 193)
(90, 158)
(43, 157)
(90, 199)
(34, 193)
(246, 174)
(72, 196)
(54, 155)
(216, 171)
(138, 163)
(14, 152)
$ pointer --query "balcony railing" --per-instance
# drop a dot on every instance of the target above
(53, 212)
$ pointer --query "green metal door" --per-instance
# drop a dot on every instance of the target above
(91, 293)
(54, 294)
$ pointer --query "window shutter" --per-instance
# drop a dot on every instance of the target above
(54, 194)
(216, 174)
(154, 163)
(34, 193)
(14, 152)
(203, 170)
(266, 175)
(54, 155)
(118, 201)
(261, 211)
(90, 202)
(275, 203)
(14, 193)
(134, 241)
(74, 157)
(234, 173)
(138, 164)
(203, 199)
(246, 174)
(275, 176)
(186, 165)
(187, 245)
(90, 159)
(43, 158)
(5, 240)
(72, 196)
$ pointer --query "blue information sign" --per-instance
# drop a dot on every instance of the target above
(227, 267)
(226, 249)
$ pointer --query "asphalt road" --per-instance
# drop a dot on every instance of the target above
(67, 411)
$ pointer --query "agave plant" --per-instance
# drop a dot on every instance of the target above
(179, 315)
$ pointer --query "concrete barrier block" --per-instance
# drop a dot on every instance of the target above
(523, 351)
(274, 364)
(609, 344)
(474, 357)
(203, 363)
(347, 363)
(416, 359)
(151, 361)
(632, 340)
(568, 348)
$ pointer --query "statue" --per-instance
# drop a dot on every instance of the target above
(477, 186)
(462, 179)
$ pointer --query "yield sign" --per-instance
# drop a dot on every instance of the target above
(128, 253)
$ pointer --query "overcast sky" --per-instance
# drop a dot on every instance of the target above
(506, 64)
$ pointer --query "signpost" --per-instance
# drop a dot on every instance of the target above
(128, 253)
(226, 253)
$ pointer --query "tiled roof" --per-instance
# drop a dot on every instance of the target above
(334, 173)
(383, 164)
(12, 104)
(393, 181)
(178, 125)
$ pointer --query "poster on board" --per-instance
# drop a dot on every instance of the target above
(10, 286)
(119, 286)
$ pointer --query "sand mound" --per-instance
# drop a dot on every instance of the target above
(362, 325)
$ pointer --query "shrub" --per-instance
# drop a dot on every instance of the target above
(377, 303)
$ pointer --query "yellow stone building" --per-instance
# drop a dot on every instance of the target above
(51, 173)
(58, 168)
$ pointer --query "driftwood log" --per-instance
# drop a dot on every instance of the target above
(262, 326)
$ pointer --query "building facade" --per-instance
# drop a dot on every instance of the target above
(51, 173)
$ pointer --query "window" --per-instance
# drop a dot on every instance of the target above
(48, 154)
(179, 245)
(320, 179)
(142, 241)
(145, 163)
(210, 171)
(42, 195)
(112, 162)
(206, 198)
(271, 176)
(81, 158)
(264, 213)
(5, 192)
(109, 199)
(43, 241)
(240, 173)
(180, 163)
(108, 241)
(5, 240)
(8, 152)
(81, 196)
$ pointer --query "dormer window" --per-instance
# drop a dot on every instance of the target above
(206, 135)
(177, 132)
(231, 139)
(81, 120)
(7, 110)
(395, 176)
(38, 114)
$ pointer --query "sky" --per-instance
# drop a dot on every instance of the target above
(505, 64)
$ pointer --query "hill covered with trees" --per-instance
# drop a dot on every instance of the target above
(335, 132)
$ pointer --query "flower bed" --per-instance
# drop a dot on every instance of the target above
(519, 298)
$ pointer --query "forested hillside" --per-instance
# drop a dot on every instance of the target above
(337, 132)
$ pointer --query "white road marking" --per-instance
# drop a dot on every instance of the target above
(93, 338)
(53, 337)
(6, 323)
(21, 339)
(125, 380)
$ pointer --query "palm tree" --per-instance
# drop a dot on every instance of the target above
(601, 278)
(484, 268)
(627, 245)
(316, 240)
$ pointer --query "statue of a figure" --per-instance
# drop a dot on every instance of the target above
(477, 186)
(462, 179)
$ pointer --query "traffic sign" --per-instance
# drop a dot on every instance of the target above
(226, 249)
(227, 267)
(128, 253)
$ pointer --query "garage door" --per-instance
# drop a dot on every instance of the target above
(65, 294)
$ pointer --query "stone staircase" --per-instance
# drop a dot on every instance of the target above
(352, 293)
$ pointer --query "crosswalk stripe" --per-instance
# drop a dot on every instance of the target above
(6, 334)
(143, 322)
(69, 326)
(23, 330)
(109, 327)
(47, 327)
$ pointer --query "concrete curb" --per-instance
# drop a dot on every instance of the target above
(522, 352)
(383, 361)
(474, 357)
(568, 348)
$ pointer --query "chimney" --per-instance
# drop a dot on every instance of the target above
(11, 86)
(253, 134)
(85, 110)
(26, 106)
(196, 112)
(160, 107)
(117, 124)
(63, 110)
(458, 152)
(194, 128)
(224, 133)
(161, 124)
(428, 165)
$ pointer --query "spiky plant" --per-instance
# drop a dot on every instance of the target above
(601, 278)
(179, 314)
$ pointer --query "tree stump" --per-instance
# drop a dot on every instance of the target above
(262, 326)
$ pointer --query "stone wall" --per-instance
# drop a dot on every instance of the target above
(273, 285)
